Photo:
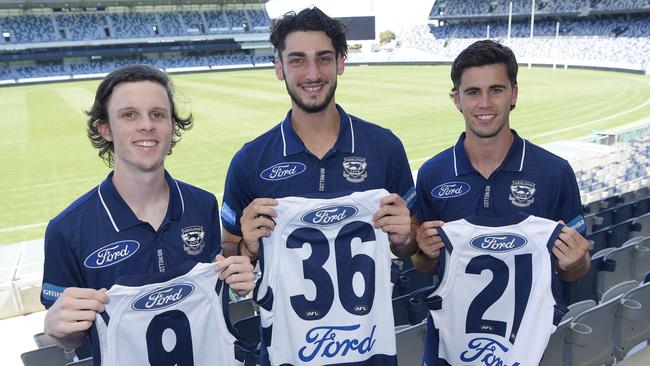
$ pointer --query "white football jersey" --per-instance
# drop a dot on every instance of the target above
(177, 317)
(497, 302)
(325, 292)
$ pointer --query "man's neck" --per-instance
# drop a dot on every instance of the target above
(146, 194)
(487, 154)
(318, 131)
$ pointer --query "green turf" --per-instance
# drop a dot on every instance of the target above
(46, 160)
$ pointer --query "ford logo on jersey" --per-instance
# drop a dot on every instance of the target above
(329, 215)
(450, 190)
(485, 350)
(498, 242)
(111, 254)
(283, 171)
(163, 297)
(335, 341)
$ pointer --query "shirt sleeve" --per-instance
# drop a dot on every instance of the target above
(400, 177)
(569, 206)
(61, 266)
(237, 194)
(423, 206)
(214, 231)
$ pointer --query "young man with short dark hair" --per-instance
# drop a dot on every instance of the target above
(139, 220)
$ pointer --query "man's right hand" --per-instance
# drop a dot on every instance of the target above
(70, 317)
(429, 245)
(257, 222)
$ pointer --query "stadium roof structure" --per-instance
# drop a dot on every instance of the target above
(29, 4)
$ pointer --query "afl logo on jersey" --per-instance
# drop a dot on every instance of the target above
(450, 190)
(163, 297)
(111, 254)
(329, 215)
(283, 171)
(498, 242)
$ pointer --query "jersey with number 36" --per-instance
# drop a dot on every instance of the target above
(177, 317)
(498, 302)
(325, 292)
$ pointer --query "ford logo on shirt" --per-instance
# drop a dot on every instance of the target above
(498, 242)
(450, 190)
(111, 254)
(163, 297)
(329, 215)
(283, 171)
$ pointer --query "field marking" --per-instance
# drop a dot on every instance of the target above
(22, 227)
(647, 102)
(44, 185)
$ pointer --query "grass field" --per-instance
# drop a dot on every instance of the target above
(46, 160)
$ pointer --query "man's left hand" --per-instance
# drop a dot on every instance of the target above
(237, 271)
(572, 252)
(394, 218)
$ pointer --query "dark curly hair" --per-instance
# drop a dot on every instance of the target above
(98, 114)
(310, 19)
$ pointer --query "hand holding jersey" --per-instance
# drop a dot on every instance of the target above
(256, 223)
(393, 218)
(571, 250)
(67, 321)
(237, 271)
(72, 315)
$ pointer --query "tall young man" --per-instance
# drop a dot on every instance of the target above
(318, 149)
(139, 220)
(491, 173)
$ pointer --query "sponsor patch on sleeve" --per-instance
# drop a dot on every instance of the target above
(228, 214)
(578, 224)
(51, 292)
(409, 197)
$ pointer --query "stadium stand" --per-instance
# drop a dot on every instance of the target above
(67, 43)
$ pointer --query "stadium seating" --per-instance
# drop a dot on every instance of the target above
(241, 309)
(631, 332)
(46, 356)
(410, 344)
(590, 336)
(641, 265)
(618, 290)
(410, 309)
(42, 340)
(586, 288)
(624, 266)
(411, 280)
(249, 330)
(84, 362)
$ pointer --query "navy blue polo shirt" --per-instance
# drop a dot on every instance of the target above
(98, 238)
(277, 164)
(530, 180)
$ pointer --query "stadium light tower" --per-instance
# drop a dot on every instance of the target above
(509, 20)
(532, 28)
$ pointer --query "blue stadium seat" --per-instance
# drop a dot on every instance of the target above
(412, 280)
(248, 329)
(410, 309)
